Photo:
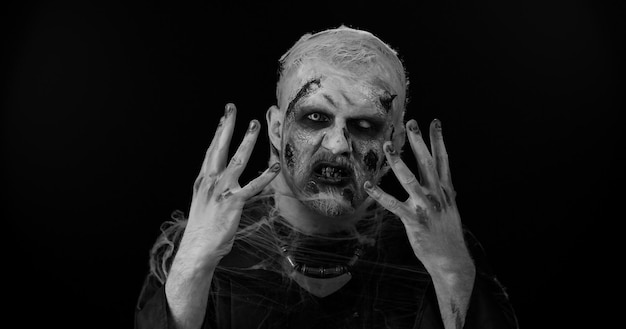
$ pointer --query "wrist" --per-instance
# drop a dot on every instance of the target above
(198, 253)
(461, 277)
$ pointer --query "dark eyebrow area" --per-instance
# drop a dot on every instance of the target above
(386, 100)
(303, 92)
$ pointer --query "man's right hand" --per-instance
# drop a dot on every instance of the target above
(214, 216)
(218, 199)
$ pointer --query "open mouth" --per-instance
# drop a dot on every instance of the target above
(332, 174)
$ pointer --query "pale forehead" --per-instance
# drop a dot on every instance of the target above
(318, 79)
(347, 94)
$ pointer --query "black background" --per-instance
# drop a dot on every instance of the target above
(107, 109)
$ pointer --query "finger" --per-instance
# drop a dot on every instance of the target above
(406, 178)
(256, 185)
(209, 150)
(425, 161)
(219, 153)
(387, 201)
(239, 161)
(440, 154)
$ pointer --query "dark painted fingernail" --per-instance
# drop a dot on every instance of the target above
(414, 128)
(437, 124)
(253, 126)
(368, 185)
(229, 109)
(390, 149)
(275, 167)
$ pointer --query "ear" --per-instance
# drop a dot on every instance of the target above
(274, 119)
(399, 136)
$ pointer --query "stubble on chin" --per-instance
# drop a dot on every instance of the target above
(330, 204)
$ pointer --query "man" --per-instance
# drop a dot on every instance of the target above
(313, 242)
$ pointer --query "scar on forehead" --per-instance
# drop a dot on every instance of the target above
(386, 100)
(303, 92)
(347, 99)
(330, 100)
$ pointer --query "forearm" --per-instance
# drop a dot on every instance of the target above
(187, 291)
(453, 296)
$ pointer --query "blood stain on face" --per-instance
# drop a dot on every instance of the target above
(386, 101)
(370, 160)
(289, 156)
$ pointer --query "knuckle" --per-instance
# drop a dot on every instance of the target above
(236, 161)
(392, 203)
(428, 162)
(210, 189)
(409, 180)
(224, 195)
(253, 186)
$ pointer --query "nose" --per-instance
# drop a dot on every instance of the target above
(336, 140)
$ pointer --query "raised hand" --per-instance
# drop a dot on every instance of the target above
(218, 199)
(214, 216)
(431, 219)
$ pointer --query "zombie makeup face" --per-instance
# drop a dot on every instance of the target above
(333, 131)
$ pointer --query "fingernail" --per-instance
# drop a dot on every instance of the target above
(437, 124)
(275, 167)
(253, 126)
(228, 109)
(390, 149)
(414, 128)
(368, 185)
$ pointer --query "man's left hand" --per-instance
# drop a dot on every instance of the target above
(432, 220)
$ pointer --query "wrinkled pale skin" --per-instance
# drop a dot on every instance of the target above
(214, 216)
(352, 98)
(432, 221)
(330, 123)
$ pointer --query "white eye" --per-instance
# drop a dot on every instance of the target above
(317, 117)
(364, 124)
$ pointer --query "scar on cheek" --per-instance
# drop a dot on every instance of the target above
(370, 160)
(289, 155)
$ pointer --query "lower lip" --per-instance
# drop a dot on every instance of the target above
(332, 182)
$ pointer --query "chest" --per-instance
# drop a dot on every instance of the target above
(263, 301)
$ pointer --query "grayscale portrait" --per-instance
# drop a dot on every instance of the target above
(312, 165)
(313, 241)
